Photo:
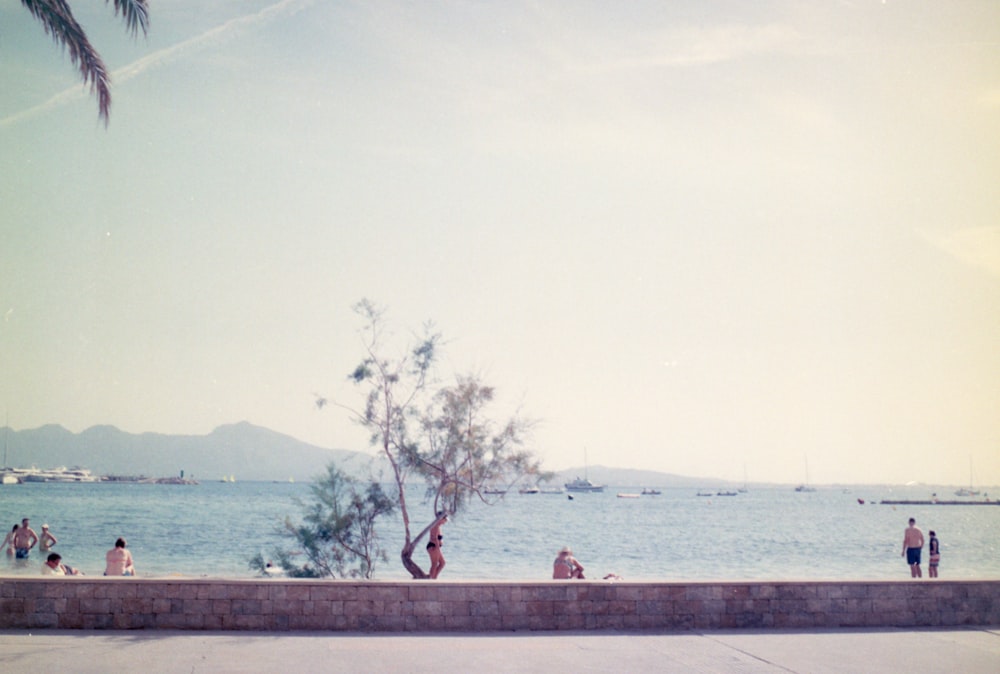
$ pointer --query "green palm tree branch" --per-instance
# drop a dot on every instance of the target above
(58, 21)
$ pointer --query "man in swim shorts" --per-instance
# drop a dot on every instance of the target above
(24, 539)
(913, 541)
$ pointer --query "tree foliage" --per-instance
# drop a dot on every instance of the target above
(337, 531)
(58, 21)
(446, 438)
(467, 453)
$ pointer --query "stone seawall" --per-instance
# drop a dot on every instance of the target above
(426, 606)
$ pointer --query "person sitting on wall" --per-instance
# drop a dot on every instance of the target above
(53, 566)
(119, 560)
(566, 566)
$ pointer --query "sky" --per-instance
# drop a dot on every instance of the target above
(718, 239)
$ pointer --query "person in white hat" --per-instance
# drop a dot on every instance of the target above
(566, 566)
(46, 540)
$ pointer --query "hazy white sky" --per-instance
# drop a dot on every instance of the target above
(697, 237)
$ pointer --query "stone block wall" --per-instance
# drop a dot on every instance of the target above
(436, 606)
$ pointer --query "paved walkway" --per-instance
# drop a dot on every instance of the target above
(841, 650)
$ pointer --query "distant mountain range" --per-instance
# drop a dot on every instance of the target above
(244, 451)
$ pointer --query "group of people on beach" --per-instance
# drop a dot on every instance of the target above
(913, 545)
(22, 539)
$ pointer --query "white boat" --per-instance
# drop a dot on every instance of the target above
(583, 484)
(804, 487)
(55, 475)
(970, 491)
(626, 495)
(529, 490)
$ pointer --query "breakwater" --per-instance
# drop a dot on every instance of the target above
(425, 606)
(935, 502)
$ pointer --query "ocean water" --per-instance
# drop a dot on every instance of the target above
(213, 529)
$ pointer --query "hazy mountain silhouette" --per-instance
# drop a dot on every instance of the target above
(246, 452)
(243, 450)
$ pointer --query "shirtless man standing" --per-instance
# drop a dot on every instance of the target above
(913, 541)
(24, 540)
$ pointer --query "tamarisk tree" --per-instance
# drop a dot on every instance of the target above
(337, 536)
(444, 437)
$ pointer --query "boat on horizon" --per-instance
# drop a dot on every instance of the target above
(647, 491)
(971, 491)
(61, 474)
(804, 487)
(583, 484)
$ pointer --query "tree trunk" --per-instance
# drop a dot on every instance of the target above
(407, 558)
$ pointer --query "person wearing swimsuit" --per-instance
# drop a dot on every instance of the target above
(8, 542)
(934, 548)
(119, 560)
(565, 566)
(24, 540)
(46, 540)
(435, 544)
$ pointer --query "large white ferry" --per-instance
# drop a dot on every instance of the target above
(61, 474)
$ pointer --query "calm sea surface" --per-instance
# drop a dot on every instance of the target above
(213, 529)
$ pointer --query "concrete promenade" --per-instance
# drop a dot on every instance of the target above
(847, 650)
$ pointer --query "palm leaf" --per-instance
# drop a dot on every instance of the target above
(135, 13)
(57, 20)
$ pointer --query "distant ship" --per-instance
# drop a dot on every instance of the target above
(583, 484)
(55, 475)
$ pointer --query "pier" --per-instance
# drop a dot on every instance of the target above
(937, 502)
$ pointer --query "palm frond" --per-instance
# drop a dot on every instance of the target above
(135, 13)
(57, 20)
